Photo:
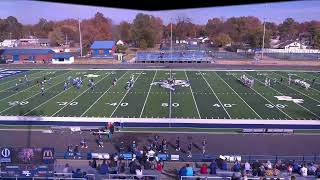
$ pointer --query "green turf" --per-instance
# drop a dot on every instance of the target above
(212, 95)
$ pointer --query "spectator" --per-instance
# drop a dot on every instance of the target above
(268, 165)
(236, 166)
(247, 167)
(183, 171)
(290, 169)
(235, 177)
(189, 170)
(312, 169)
(296, 167)
(224, 165)
(77, 174)
(66, 169)
(160, 166)
(76, 152)
(213, 168)
(317, 173)
(204, 169)
(303, 171)
(139, 172)
(104, 169)
(190, 150)
(276, 172)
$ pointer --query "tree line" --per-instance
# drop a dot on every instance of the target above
(146, 31)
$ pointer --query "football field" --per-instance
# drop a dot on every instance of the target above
(211, 95)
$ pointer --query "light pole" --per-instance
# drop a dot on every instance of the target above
(264, 33)
(80, 39)
(171, 38)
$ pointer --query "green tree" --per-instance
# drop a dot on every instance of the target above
(143, 44)
(288, 30)
(222, 39)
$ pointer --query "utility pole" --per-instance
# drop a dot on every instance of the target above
(264, 33)
(171, 38)
(80, 39)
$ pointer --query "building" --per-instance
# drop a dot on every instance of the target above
(34, 42)
(290, 45)
(10, 43)
(62, 58)
(103, 49)
(32, 55)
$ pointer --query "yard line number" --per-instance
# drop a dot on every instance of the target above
(115, 104)
(225, 105)
(14, 103)
(67, 103)
(281, 106)
(173, 105)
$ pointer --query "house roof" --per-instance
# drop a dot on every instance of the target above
(62, 55)
(102, 45)
(27, 51)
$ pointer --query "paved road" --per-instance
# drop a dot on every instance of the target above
(217, 143)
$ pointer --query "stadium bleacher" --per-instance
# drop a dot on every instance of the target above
(230, 55)
(175, 56)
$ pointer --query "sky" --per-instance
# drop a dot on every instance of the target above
(29, 12)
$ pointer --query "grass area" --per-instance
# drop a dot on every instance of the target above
(212, 95)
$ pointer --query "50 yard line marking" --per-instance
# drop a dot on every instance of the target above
(238, 95)
(125, 95)
(195, 103)
(78, 96)
(144, 104)
(37, 93)
(101, 96)
(215, 95)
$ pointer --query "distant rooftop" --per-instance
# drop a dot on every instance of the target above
(103, 44)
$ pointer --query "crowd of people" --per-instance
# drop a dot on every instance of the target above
(241, 171)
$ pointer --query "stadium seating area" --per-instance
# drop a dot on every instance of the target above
(176, 56)
(294, 56)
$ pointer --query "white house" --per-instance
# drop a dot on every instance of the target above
(10, 43)
(294, 45)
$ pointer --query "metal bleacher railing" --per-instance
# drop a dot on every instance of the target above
(219, 178)
(57, 176)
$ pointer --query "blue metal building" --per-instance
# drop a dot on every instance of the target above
(103, 49)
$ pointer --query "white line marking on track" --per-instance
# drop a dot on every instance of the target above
(101, 96)
(216, 96)
(145, 101)
(195, 103)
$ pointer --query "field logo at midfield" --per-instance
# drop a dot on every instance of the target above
(289, 98)
(91, 75)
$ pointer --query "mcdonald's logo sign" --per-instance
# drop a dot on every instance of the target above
(48, 155)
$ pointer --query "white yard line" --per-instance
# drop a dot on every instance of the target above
(125, 96)
(101, 96)
(302, 78)
(299, 91)
(269, 101)
(283, 94)
(195, 103)
(15, 78)
(77, 96)
(145, 101)
(19, 84)
(215, 95)
(24, 90)
(239, 96)
(38, 92)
